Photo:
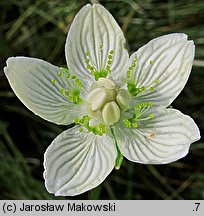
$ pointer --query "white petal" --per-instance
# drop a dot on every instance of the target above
(76, 162)
(172, 58)
(31, 80)
(93, 26)
(164, 139)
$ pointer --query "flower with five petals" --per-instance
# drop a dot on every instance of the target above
(118, 103)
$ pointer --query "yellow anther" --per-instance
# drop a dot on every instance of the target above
(152, 135)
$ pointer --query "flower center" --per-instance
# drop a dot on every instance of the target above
(106, 101)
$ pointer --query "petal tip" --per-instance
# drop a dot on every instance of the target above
(196, 134)
(8, 62)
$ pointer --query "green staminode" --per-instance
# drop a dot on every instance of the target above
(103, 72)
(99, 129)
(139, 110)
(99, 74)
(72, 92)
(133, 89)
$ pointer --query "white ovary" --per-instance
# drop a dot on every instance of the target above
(107, 100)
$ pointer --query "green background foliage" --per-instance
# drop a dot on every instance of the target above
(39, 29)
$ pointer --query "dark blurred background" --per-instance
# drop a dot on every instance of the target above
(39, 29)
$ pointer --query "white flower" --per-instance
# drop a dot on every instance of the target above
(117, 102)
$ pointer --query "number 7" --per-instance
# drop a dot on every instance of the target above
(197, 206)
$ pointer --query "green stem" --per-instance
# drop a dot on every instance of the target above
(119, 158)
